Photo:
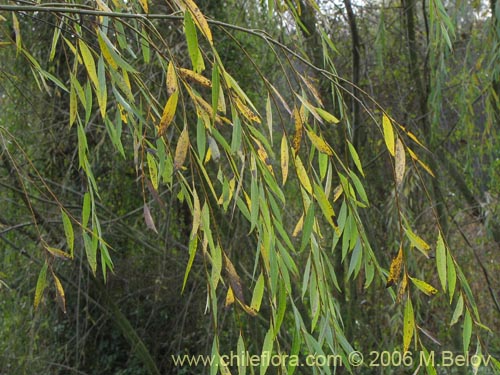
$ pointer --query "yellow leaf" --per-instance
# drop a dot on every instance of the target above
(182, 149)
(327, 116)
(298, 226)
(337, 193)
(400, 162)
(105, 52)
(395, 269)
(418, 242)
(58, 253)
(88, 61)
(302, 174)
(171, 79)
(319, 143)
(153, 170)
(168, 113)
(199, 19)
(265, 159)
(284, 159)
(245, 111)
(388, 134)
(61, 299)
(298, 131)
(402, 288)
(424, 287)
(229, 297)
(189, 74)
(144, 5)
(415, 157)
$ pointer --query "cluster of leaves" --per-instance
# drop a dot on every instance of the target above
(200, 136)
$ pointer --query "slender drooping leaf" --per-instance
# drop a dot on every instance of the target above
(40, 284)
(408, 325)
(388, 134)
(441, 261)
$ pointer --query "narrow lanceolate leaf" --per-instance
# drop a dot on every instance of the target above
(193, 76)
(467, 331)
(171, 79)
(229, 297)
(234, 279)
(400, 162)
(68, 231)
(409, 324)
(168, 113)
(324, 204)
(181, 149)
(302, 175)
(355, 158)
(269, 118)
(388, 134)
(88, 61)
(395, 268)
(199, 19)
(58, 253)
(441, 261)
(284, 159)
(267, 350)
(17, 31)
(298, 131)
(319, 143)
(73, 105)
(425, 166)
(418, 242)
(327, 116)
(149, 219)
(424, 287)
(258, 292)
(40, 284)
(245, 111)
(192, 41)
(60, 296)
(153, 170)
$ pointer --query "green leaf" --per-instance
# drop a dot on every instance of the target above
(467, 331)
(409, 324)
(324, 204)
(258, 292)
(441, 261)
(101, 91)
(388, 134)
(86, 209)
(242, 368)
(68, 232)
(418, 242)
(355, 158)
(192, 43)
(267, 349)
(452, 275)
(40, 284)
(91, 251)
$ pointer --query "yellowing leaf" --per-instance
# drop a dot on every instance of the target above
(153, 170)
(58, 253)
(418, 242)
(388, 134)
(88, 61)
(424, 287)
(400, 162)
(234, 279)
(17, 31)
(298, 131)
(40, 284)
(182, 149)
(168, 113)
(327, 116)
(229, 297)
(409, 325)
(171, 79)
(144, 5)
(189, 74)
(402, 288)
(61, 300)
(302, 174)
(298, 226)
(324, 204)
(245, 111)
(284, 159)
(199, 19)
(105, 52)
(395, 269)
(415, 157)
(319, 143)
